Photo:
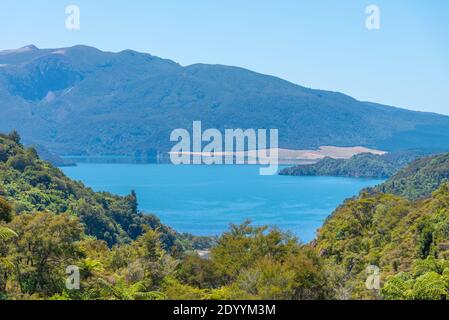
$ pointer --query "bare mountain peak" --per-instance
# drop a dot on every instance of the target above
(30, 47)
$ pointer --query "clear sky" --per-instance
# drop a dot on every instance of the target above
(315, 43)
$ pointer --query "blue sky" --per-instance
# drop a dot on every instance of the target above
(316, 43)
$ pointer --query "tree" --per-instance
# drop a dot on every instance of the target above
(245, 244)
(19, 162)
(133, 201)
(198, 272)
(5, 216)
(5, 234)
(5, 210)
(45, 246)
(14, 136)
(3, 154)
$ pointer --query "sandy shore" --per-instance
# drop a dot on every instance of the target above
(290, 156)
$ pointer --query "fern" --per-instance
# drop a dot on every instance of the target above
(430, 286)
(121, 291)
(398, 287)
(6, 233)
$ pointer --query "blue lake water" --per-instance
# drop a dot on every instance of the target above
(204, 200)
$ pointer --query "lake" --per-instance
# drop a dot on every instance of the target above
(204, 200)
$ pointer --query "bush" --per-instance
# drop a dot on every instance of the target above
(5, 210)
(3, 154)
(19, 162)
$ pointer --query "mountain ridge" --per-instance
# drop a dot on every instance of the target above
(81, 100)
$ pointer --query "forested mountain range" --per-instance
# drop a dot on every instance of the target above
(84, 101)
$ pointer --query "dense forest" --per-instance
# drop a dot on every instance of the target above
(420, 178)
(365, 165)
(49, 223)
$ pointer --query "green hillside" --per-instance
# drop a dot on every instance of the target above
(419, 179)
(48, 222)
(407, 239)
(32, 185)
(364, 165)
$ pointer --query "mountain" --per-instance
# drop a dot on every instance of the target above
(365, 165)
(84, 101)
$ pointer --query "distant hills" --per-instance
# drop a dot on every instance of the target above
(83, 101)
(54, 159)
(364, 165)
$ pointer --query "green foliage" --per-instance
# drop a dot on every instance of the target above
(429, 281)
(121, 253)
(5, 210)
(15, 137)
(253, 263)
(124, 255)
(244, 245)
(393, 233)
(34, 185)
(45, 245)
(419, 179)
(121, 290)
(198, 272)
(365, 165)
(399, 287)
(5, 216)
(6, 233)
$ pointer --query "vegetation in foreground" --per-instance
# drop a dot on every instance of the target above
(49, 222)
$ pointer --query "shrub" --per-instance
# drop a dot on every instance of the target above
(5, 210)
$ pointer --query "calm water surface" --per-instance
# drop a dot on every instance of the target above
(204, 200)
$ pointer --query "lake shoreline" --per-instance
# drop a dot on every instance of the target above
(188, 200)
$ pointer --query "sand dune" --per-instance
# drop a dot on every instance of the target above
(289, 156)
